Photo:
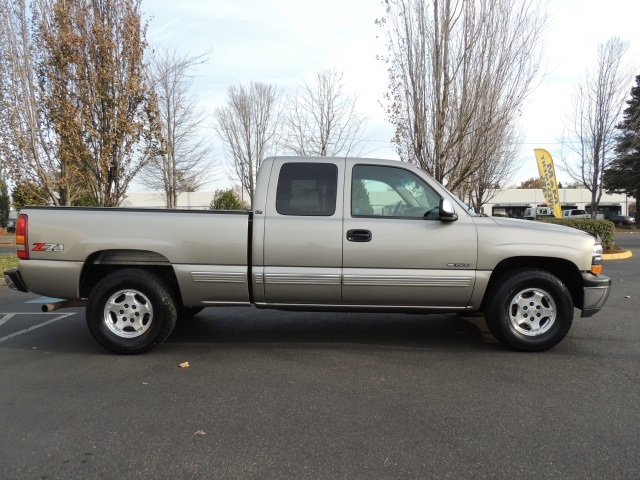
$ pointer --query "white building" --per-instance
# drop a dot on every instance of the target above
(509, 203)
(512, 202)
(186, 200)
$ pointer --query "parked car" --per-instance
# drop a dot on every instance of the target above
(541, 211)
(575, 213)
(622, 220)
(11, 225)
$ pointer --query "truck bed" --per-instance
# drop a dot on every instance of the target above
(209, 250)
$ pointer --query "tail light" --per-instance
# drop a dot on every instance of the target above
(22, 243)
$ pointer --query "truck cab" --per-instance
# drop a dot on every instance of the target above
(355, 234)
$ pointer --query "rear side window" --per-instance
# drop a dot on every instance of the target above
(307, 189)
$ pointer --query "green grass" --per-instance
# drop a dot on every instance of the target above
(7, 262)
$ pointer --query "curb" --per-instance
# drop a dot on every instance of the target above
(617, 256)
(8, 240)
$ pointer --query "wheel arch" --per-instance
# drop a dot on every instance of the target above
(565, 270)
(104, 262)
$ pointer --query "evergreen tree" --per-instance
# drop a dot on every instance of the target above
(226, 200)
(27, 193)
(623, 176)
(4, 203)
(361, 203)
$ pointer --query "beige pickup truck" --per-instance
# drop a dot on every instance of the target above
(333, 234)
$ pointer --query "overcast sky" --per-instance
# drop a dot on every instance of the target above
(287, 41)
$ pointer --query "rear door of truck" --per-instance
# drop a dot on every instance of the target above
(302, 239)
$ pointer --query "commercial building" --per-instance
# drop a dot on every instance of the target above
(508, 203)
(513, 202)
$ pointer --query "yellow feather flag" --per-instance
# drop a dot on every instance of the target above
(548, 180)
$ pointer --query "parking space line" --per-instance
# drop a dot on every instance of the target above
(44, 300)
(7, 316)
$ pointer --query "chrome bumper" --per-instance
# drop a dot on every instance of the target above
(595, 293)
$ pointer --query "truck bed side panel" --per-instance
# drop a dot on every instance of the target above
(208, 250)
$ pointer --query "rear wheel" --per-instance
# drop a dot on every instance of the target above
(131, 311)
(531, 310)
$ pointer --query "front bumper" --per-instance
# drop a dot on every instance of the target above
(14, 280)
(595, 293)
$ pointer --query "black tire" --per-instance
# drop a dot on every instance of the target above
(531, 310)
(147, 307)
(185, 313)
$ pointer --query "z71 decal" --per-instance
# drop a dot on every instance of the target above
(48, 247)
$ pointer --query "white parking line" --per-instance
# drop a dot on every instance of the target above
(44, 300)
(8, 316)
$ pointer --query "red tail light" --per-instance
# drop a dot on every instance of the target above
(22, 243)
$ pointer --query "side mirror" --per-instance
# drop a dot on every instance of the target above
(446, 211)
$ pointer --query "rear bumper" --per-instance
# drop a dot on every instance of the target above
(14, 280)
(595, 293)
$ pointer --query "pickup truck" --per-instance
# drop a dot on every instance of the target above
(332, 234)
(538, 212)
(575, 213)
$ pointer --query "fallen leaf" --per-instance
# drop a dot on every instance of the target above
(184, 365)
(200, 433)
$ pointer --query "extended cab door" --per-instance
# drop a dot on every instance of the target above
(396, 251)
(303, 232)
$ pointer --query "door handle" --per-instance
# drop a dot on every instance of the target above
(359, 235)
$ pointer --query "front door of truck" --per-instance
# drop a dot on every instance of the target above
(395, 249)
(303, 233)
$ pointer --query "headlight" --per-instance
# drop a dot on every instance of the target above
(596, 257)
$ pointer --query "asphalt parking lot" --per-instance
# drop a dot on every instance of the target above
(322, 395)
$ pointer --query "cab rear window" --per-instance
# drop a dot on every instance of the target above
(307, 189)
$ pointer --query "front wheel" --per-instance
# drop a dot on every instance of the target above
(531, 310)
(131, 311)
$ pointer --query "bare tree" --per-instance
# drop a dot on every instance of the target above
(496, 171)
(27, 144)
(322, 119)
(459, 72)
(247, 127)
(179, 157)
(590, 134)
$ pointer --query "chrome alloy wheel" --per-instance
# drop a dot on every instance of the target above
(128, 313)
(532, 312)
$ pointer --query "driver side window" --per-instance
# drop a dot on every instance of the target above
(380, 191)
